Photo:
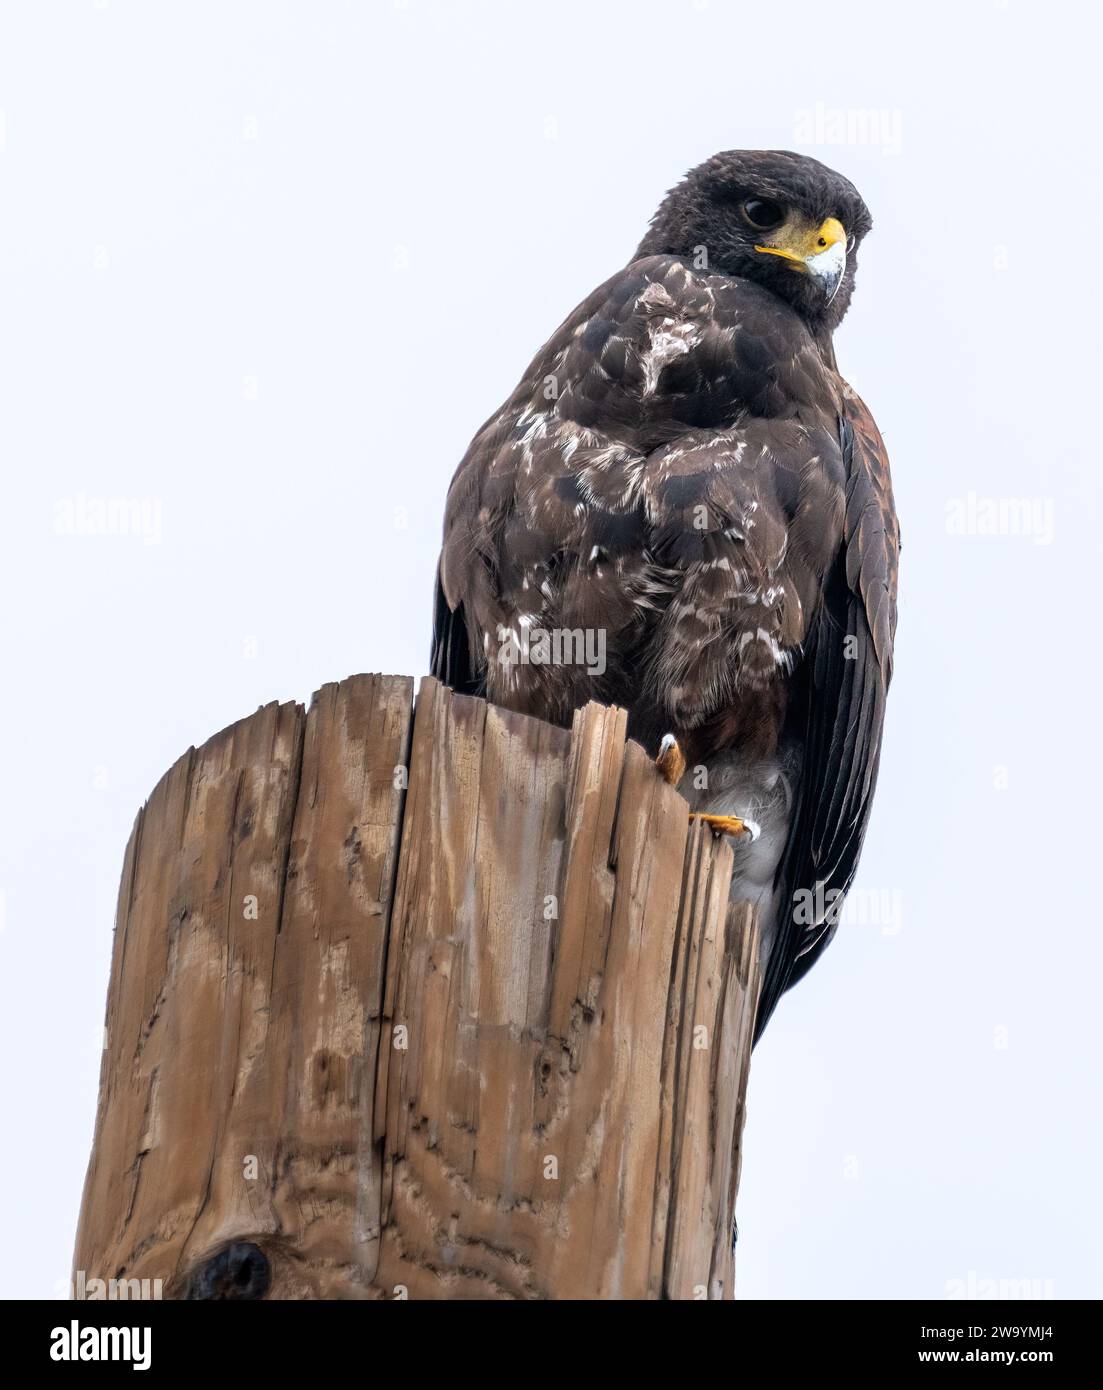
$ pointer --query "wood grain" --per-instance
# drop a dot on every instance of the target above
(486, 1037)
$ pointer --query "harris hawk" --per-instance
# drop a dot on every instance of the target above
(683, 472)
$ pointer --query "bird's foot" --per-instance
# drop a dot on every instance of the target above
(671, 761)
(728, 825)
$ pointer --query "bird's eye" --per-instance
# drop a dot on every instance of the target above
(763, 214)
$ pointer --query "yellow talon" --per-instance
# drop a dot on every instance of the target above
(727, 825)
(671, 761)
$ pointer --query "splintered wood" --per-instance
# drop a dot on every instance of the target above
(484, 1037)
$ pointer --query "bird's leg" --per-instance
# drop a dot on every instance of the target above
(671, 762)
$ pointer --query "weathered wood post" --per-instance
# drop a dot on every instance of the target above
(445, 1006)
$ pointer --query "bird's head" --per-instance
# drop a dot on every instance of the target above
(784, 220)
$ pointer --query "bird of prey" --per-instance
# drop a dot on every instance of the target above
(683, 478)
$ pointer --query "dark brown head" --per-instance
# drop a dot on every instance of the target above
(784, 220)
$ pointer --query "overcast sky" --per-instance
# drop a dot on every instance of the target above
(264, 269)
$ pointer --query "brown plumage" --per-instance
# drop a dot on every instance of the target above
(683, 478)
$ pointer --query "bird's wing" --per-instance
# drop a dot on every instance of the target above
(450, 658)
(514, 508)
(845, 678)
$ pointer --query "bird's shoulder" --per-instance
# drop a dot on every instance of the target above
(692, 311)
(659, 348)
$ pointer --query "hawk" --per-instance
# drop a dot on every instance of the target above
(683, 479)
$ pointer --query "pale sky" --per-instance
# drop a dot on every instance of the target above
(264, 270)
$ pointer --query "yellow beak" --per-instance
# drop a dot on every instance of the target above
(820, 251)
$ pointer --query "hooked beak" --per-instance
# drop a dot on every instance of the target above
(818, 252)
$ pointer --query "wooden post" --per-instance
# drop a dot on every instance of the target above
(486, 1037)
